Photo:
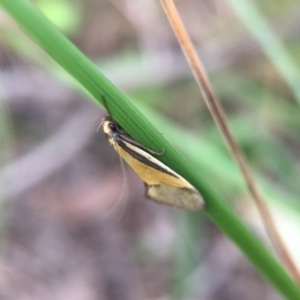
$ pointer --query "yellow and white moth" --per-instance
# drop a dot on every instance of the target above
(162, 184)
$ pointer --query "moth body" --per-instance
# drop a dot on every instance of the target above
(162, 184)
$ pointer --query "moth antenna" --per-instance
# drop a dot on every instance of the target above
(105, 104)
(124, 190)
(157, 153)
(100, 124)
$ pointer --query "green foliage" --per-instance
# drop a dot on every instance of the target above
(273, 47)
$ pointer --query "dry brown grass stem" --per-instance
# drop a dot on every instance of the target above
(219, 117)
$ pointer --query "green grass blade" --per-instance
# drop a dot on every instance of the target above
(74, 62)
(270, 43)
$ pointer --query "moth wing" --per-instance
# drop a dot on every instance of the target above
(162, 184)
(185, 198)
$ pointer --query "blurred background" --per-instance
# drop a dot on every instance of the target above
(62, 234)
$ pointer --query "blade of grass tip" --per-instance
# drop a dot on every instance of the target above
(270, 43)
(219, 117)
(74, 62)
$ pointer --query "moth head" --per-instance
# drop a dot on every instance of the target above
(111, 129)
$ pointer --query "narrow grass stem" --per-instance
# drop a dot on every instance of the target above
(219, 117)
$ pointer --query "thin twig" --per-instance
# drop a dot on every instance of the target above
(218, 114)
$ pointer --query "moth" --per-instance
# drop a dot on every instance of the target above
(162, 184)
